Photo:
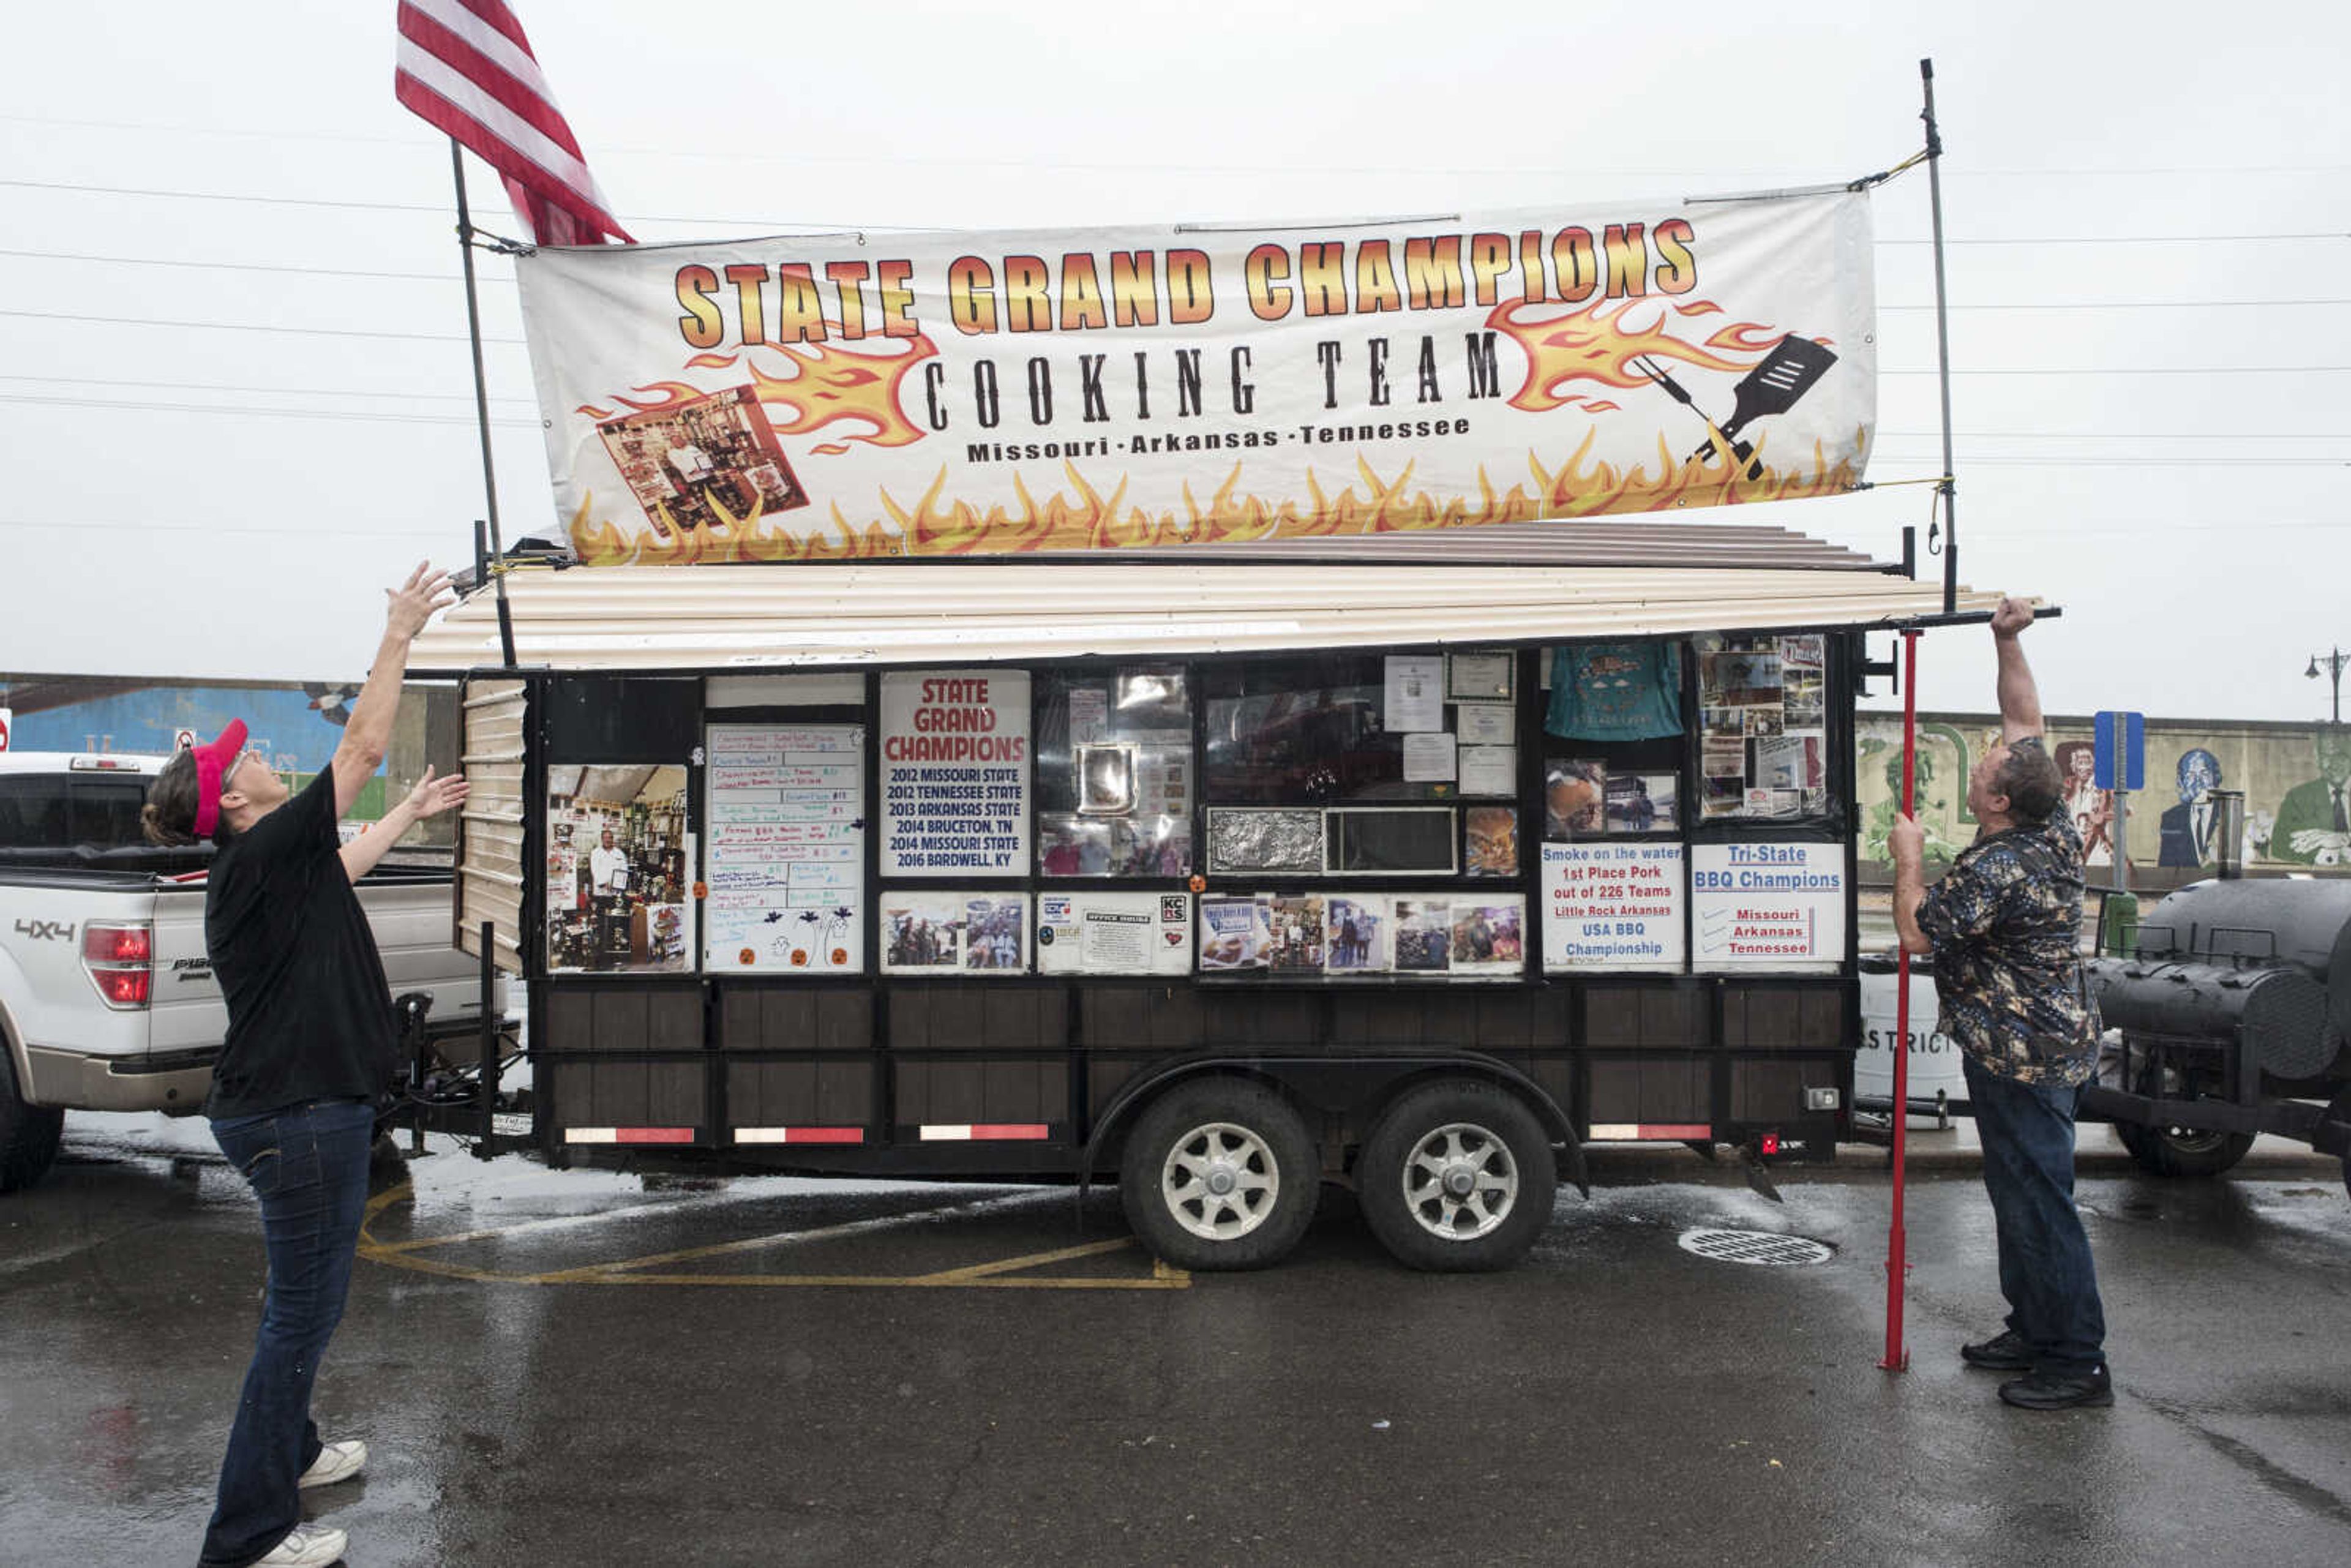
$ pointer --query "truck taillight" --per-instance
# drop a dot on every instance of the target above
(116, 944)
(120, 960)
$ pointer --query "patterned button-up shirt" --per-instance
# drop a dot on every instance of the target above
(2006, 923)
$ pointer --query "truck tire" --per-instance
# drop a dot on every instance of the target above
(1219, 1174)
(2182, 1151)
(1457, 1177)
(28, 1133)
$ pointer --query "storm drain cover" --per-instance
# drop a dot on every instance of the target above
(1755, 1247)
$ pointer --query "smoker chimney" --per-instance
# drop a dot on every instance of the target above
(2229, 833)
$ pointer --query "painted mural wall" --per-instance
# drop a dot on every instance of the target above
(2295, 779)
(297, 726)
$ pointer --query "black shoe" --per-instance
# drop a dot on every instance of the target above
(2060, 1390)
(2008, 1351)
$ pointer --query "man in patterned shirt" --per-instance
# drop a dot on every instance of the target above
(2004, 925)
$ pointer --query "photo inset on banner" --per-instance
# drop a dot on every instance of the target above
(702, 462)
(618, 869)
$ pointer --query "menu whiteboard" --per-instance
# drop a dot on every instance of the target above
(786, 849)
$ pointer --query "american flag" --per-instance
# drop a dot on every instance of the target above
(466, 69)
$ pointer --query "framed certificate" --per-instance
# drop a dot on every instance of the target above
(1479, 677)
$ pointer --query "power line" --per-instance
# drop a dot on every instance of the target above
(826, 225)
(142, 406)
(280, 391)
(251, 327)
(240, 265)
(430, 207)
(703, 154)
(56, 525)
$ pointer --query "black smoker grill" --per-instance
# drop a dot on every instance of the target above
(2235, 1018)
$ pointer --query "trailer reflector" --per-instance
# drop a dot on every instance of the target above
(985, 1132)
(1650, 1132)
(800, 1134)
(628, 1134)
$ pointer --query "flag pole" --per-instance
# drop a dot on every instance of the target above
(1897, 1241)
(482, 404)
(1949, 489)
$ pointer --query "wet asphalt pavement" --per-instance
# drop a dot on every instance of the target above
(573, 1387)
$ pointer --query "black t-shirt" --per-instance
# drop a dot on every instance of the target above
(309, 1012)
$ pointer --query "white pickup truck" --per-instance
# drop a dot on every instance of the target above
(107, 997)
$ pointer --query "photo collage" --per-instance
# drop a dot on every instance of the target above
(1764, 726)
(1363, 934)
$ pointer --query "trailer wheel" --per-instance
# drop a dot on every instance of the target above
(29, 1134)
(2179, 1151)
(1457, 1177)
(2183, 1151)
(1219, 1174)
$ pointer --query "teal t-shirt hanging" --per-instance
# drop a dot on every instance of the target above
(1616, 691)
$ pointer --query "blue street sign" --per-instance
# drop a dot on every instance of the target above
(2121, 749)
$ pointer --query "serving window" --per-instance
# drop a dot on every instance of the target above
(1113, 786)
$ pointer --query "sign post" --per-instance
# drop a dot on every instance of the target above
(6, 716)
(2120, 755)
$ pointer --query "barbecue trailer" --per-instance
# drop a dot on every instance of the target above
(1413, 863)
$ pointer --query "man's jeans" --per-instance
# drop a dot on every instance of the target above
(2027, 1132)
(308, 1166)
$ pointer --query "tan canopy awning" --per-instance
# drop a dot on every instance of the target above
(1003, 610)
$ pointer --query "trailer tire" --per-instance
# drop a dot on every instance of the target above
(29, 1134)
(2182, 1151)
(1235, 1136)
(1457, 1177)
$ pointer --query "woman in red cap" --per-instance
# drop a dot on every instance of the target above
(308, 1054)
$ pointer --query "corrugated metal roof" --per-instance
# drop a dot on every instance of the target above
(745, 617)
(1602, 541)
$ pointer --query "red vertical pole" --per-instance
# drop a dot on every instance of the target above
(1897, 1243)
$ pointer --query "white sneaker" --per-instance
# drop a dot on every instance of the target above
(336, 1462)
(308, 1546)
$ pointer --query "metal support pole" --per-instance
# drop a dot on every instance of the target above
(487, 1090)
(1949, 489)
(482, 402)
(1897, 1242)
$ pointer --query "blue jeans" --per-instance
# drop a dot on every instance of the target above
(2027, 1131)
(308, 1166)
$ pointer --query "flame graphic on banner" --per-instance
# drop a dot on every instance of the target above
(1598, 344)
(1089, 516)
(827, 386)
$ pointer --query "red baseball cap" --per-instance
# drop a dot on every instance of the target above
(212, 762)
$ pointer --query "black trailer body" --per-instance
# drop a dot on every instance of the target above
(1220, 922)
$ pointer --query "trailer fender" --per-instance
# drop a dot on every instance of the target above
(1352, 1086)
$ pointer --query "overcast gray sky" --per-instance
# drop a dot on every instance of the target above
(2148, 206)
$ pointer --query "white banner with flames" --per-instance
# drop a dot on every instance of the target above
(985, 393)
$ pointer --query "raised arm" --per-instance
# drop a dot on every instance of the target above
(2020, 699)
(367, 734)
(431, 797)
(1905, 844)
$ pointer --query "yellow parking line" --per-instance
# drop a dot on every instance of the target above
(999, 1275)
(1012, 1265)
